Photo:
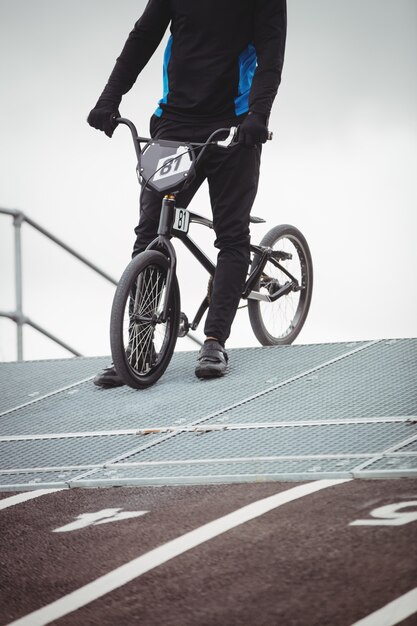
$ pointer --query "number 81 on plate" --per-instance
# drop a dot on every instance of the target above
(181, 220)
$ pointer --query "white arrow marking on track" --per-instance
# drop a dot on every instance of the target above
(104, 516)
(135, 568)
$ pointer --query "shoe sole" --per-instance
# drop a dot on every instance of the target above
(108, 385)
(208, 372)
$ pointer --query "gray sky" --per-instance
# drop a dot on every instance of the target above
(342, 166)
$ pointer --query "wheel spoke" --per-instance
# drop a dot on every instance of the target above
(145, 339)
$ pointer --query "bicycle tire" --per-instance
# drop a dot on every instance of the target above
(280, 322)
(142, 346)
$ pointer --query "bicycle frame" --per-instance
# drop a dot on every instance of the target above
(163, 242)
(165, 233)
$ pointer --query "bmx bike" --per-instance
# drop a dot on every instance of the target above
(146, 316)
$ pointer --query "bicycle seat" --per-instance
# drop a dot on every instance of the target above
(256, 220)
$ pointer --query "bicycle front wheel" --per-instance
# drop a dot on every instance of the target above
(141, 343)
(279, 322)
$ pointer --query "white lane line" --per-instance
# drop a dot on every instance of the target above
(23, 497)
(131, 570)
(392, 613)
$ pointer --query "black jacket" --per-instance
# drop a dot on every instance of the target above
(223, 58)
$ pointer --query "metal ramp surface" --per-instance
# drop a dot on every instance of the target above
(298, 412)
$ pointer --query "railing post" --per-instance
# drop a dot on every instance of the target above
(17, 222)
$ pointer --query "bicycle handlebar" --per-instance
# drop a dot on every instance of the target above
(230, 140)
(224, 143)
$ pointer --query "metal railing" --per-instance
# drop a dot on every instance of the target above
(18, 315)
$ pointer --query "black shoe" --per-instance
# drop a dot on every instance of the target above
(212, 360)
(108, 378)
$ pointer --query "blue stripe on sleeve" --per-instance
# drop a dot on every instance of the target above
(247, 67)
(167, 57)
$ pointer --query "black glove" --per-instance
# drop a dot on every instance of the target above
(253, 129)
(101, 117)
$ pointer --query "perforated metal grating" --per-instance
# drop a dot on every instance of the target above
(24, 382)
(410, 447)
(179, 398)
(47, 453)
(28, 480)
(300, 440)
(291, 412)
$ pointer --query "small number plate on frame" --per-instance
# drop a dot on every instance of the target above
(181, 220)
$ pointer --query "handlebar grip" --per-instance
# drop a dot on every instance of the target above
(235, 138)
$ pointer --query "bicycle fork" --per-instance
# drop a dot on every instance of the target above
(163, 242)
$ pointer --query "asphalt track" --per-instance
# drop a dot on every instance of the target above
(243, 554)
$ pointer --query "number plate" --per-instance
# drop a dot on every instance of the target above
(178, 163)
(181, 220)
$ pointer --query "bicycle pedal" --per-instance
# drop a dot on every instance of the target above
(280, 255)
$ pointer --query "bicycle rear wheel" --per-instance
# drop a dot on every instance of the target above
(141, 344)
(279, 322)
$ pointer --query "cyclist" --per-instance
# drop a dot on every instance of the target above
(222, 68)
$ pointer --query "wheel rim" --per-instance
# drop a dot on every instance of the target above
(281, 318)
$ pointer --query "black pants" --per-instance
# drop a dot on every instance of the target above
(232, 177)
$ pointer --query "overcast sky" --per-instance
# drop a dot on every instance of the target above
(342, 166)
